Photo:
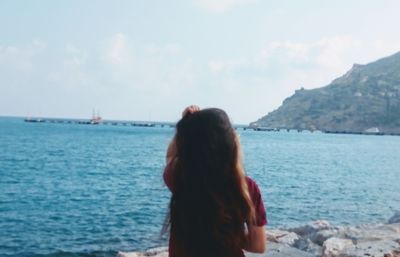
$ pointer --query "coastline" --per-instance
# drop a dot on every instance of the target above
(321, 239)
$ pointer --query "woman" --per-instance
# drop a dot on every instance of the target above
(215, 210)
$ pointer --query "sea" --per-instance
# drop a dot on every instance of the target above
(94, 190)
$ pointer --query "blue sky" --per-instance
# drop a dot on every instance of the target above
(142, 60)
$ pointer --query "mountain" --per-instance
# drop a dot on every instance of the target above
(367, 96)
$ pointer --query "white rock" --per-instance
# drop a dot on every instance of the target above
(321, 236)
(312, 227)
(273, 235)
(379, 240)
(280, 250)
(155, 252)
(128, 254)
(289, 239)
(371, 232)
(282, 237)
(378, 248)
(334, 246)
(305, 244)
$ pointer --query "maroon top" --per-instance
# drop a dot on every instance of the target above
(255, 195)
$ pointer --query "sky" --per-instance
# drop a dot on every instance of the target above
(148, 60)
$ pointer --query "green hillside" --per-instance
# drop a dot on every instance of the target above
(367, 96)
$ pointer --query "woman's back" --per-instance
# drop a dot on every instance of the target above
(212, 200)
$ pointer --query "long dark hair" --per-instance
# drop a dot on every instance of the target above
(210, 203)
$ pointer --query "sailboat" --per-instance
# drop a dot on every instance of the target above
(96, 119)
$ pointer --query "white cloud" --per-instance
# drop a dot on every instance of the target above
(295, 51)
(326, 58)
(144, 69)
(40, 44)
(280, 12)
(117, 73)
(280, 67)
(219, 6)
(20, 57)
(220, 65)
(75, 56)
(216, 65)
(70, 72)
(173, 48)
(117, 51)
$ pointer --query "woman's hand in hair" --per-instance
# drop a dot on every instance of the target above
(189, 110)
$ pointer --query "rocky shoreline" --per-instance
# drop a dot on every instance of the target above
(321, 239)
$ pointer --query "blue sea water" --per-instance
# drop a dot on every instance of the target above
(82, 190)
